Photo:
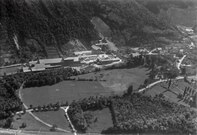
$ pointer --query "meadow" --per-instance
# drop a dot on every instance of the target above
(31, 123)
(63, 92)
(118, 80)
(54, 117)
(171, 94)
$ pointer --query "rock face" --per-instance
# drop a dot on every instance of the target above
(53, 23)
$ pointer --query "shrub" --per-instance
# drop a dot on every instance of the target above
(23, 125)
(53, 127)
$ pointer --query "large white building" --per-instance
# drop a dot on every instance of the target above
(83, 53)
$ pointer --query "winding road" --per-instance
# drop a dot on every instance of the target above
(180, 62)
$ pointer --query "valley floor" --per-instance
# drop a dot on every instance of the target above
(116, 81)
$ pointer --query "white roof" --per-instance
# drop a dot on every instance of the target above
(103, 55)
(135, 54)
(55, 60)
(72, 58)
(82, 52)
(37, 67)
(47, 61)
(84, 56)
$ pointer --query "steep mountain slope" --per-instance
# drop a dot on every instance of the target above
(178, 12)
(41, 24)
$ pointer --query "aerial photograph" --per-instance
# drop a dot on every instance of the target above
(98, 67)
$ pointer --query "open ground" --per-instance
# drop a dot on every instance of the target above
(118, 80)
(32, 124)
(54, 117)
(62, 92)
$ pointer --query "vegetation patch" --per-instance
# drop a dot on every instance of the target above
(141, 114)
(135, 113)
(100, 121)
(63, 92)
(54, 118)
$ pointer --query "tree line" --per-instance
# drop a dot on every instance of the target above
(136, 113)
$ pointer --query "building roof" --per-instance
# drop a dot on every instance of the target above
(48, 61)
(37, 67)
(72, 58)
(96, 47)
(82, 52)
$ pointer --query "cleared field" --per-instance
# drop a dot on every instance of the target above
(54, 117)
(32, 124)
(171, 94)
(104, 121)
(118, 80)
(62, 92)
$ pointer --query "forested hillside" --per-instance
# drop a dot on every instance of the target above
(178, 12)
(31, 27)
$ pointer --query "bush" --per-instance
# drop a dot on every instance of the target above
(89, 117)
(130, 90)
(53, 127)
(23, 125)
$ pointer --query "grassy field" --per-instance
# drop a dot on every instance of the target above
(32, 124)
(118, 80)
(62, 92)
(104, 121)
(54, 117)
(170, 95)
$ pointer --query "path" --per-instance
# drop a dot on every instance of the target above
(180, 61)
(24, 132)
(66, 113)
